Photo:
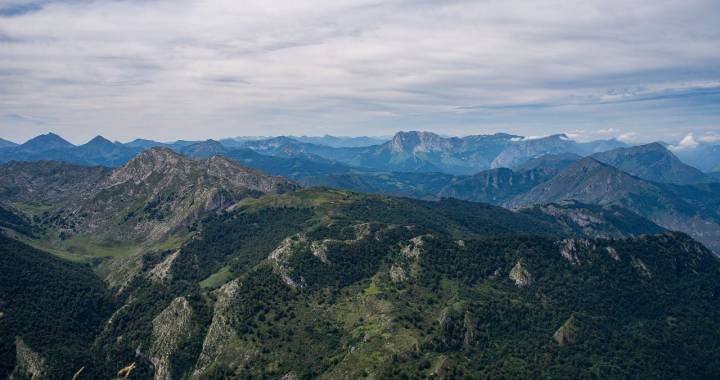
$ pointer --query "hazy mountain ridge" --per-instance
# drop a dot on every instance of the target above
(653, 162)
(6, 144)
(412, 151)
(687, 209)
(692, 209)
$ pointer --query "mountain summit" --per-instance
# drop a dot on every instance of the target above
(414, 142)
(48, 141)
(160, 190)
(653, 162)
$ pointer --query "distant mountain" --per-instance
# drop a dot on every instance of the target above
(550, 162)
(49, 141)
(691, 209)
(143, 144)
(98, 151)
(341, 142)
(326, 140)
(414, 152)
(526, 149)
(426, 152)
(101, 151)
(204, 149)
(706, 157)
(6, 144)
(653, 162)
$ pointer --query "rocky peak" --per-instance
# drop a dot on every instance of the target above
(149, 161)
(415, 141)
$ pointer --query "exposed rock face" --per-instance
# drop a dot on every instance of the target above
(171, 328)
(397, 274)
(28, 362)
(567, 333)
(642, 268)
(423, 152)
(299, 242)
(415, 142)
(161, 272)
(120, 271)
(612, 252)
(570, 249)
(319, 248)
(520, 275)
(470, 331)
(414, 248)
(283, 251)
(221, 333)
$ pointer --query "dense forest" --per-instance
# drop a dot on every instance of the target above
(330, 284)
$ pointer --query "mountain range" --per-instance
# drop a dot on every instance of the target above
(271, 259)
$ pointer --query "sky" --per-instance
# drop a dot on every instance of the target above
(180, 69)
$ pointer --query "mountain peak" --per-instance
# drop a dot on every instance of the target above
(418, 141)
(47, 141)
(98, 143)
(99, 140)
(149, 161)
(157, 154)
(653, 162)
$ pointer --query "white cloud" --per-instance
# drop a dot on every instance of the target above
(688, 142)
(196, 69)
(709, 138)
(629, 137)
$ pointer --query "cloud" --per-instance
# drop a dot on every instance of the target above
(709, 138)
(629, 137)
(688, 142)
(197, 69)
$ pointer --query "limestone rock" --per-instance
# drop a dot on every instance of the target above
(520, 275)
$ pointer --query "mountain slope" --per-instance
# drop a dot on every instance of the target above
(101, 151)
(48, 141)
(427, 152)
(160, 190)
(691, 209)
(47, 181)
(524, 150)
(278, 282)
(329, 284)
(652, 162)
(706, 157)
(50, 313)
(6, 144)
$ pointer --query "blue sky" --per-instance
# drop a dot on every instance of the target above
(637, 70)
